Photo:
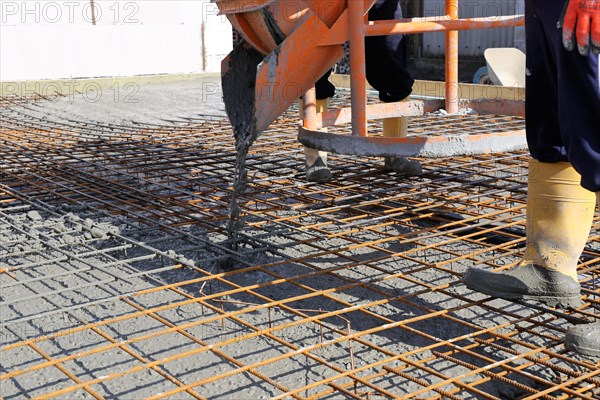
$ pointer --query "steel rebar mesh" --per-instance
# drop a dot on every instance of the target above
(113, 247)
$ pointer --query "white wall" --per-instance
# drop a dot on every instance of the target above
(474, 43)
(520, 30)
(56, 39)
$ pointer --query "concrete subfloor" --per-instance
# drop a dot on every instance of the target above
(124, 102)
(43, 228)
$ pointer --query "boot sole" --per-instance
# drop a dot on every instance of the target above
(564, 302)
(582, 350)
(321, 176)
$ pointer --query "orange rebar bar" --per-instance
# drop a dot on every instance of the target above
(381, 253)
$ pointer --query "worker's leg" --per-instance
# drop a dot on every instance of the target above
(559, 217)
(547, 198)
(579, 110)
(563, 96)
(387, 56)
(386, 62)
(316, 166)
(559, 209)
(541, 100)
(316, 161)
(398, 127)
(585, 339)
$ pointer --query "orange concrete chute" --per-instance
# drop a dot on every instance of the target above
(288, 45)
(266, 23)
(281, 58)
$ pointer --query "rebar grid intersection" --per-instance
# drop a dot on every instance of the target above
(111, 283)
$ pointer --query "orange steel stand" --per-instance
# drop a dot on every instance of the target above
(355, 26)
(452, 60)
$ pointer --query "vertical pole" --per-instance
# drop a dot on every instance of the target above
(358, 74)
(452, 60)
(203, 45)
(93, 10)
(309, 109)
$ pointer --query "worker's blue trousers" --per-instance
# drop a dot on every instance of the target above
(386, 59)
(563, 96)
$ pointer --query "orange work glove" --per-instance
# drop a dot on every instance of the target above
(581, 25)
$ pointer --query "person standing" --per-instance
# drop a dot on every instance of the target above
(386, 65)
(563, 133)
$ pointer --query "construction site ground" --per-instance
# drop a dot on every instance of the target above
(117, 280)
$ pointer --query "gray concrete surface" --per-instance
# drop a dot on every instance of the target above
(28, 232)
(150, 102)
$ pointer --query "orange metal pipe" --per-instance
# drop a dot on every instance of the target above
(437, 24)
(358, 73)
(309, 105)
(452, 60)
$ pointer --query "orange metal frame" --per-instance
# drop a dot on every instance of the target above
(356, 23)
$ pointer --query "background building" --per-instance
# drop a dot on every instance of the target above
(90, 38)
(73, 39)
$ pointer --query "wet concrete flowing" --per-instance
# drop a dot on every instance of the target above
(236, 223)
(239, 94)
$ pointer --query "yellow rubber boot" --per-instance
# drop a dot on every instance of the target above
(559, 218)
(316, 161)
(585, 339)
(397, 127)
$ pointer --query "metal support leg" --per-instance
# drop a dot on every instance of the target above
(358, 71)
(452, 60)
